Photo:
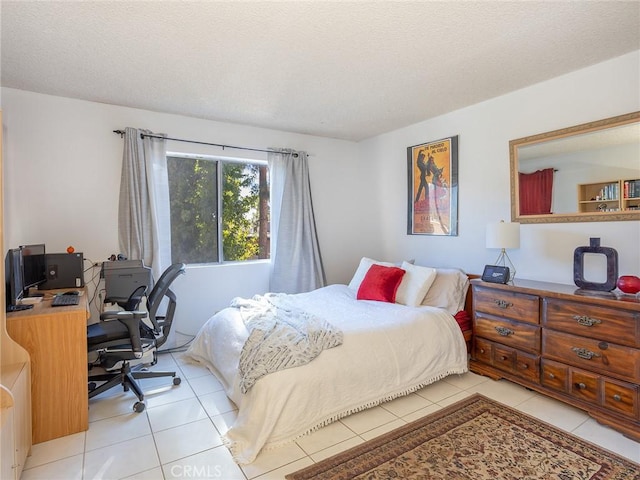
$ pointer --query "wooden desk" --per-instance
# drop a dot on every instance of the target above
(56, 339)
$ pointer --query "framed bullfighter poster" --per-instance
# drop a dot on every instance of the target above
(433, 188)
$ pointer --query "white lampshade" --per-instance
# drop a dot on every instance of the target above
(503, 235)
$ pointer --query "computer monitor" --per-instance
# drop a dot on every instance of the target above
(14, 280)
(34, 269)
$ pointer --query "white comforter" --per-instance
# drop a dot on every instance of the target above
(389, 350)
(280, 336)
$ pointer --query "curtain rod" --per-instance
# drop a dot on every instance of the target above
(142, 135)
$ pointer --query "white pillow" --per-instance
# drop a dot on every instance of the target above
(414, 285)
(362, 270)
(448, 291)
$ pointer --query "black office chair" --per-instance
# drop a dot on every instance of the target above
(122, 337)
(131, 303)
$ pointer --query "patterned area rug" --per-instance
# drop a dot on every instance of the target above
(476, 438)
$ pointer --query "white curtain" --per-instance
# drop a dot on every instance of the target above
(296, 264)
(144, 227)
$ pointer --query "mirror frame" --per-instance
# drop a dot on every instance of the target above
(554, 135)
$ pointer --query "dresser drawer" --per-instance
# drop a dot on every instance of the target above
(600, 356)
(584, 385)
(515, 334)
(554, 375)
(609, 324)
(503, 357)
(508, 359)
(513, 305)
(614, 395)
(482, 350)
(527, 366)
(621, 397)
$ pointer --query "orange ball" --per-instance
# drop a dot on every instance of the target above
(70, 249)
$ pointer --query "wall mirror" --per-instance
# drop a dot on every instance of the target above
(584, 173)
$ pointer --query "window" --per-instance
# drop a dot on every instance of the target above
(219, 209)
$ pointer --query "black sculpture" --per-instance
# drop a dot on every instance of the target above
(612, 266)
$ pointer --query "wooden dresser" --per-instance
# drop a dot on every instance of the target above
(581, 349)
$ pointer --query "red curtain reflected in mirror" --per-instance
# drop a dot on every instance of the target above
(535, 192)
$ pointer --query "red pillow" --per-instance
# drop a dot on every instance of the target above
(464, 320)
(380, 283)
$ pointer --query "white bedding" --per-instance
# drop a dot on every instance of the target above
(389, 350)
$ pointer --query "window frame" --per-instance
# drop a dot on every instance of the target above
(219, 159)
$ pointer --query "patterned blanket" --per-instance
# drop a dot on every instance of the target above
(280, 336)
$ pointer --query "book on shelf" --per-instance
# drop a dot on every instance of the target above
(609, 192)
(631, 188)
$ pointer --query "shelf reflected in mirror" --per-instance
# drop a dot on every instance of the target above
(584, 173)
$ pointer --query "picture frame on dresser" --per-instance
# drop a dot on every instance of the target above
(580, 349)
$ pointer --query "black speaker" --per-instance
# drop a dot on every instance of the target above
(495, 274)
(64, 270)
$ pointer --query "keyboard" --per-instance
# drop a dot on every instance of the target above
(65, 300)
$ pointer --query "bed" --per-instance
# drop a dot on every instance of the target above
(386, 350)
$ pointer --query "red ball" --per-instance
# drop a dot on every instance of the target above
(70, 249)
(629, 284)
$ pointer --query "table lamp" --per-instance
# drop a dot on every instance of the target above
(504, 235)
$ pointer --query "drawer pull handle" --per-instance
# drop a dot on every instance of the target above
(581, 386)
(617, 397)
(504, 332)
(584, 353)
(503, 357)
(551, 375)
(503, 303)
(524, 366)
(586, 321)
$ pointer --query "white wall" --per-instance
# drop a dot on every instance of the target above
(546, 250)
(608, 164)
(62, 170)
(62, 174)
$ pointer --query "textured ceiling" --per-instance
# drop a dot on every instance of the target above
(347, 70)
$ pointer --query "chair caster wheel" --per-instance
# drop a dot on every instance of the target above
(92, 386)
(139, 407)
(176, 380)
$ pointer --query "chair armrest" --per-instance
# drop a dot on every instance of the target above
(122, 314)
(117, 300)
(131, 320)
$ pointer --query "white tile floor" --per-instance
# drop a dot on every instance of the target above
(178, 435)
